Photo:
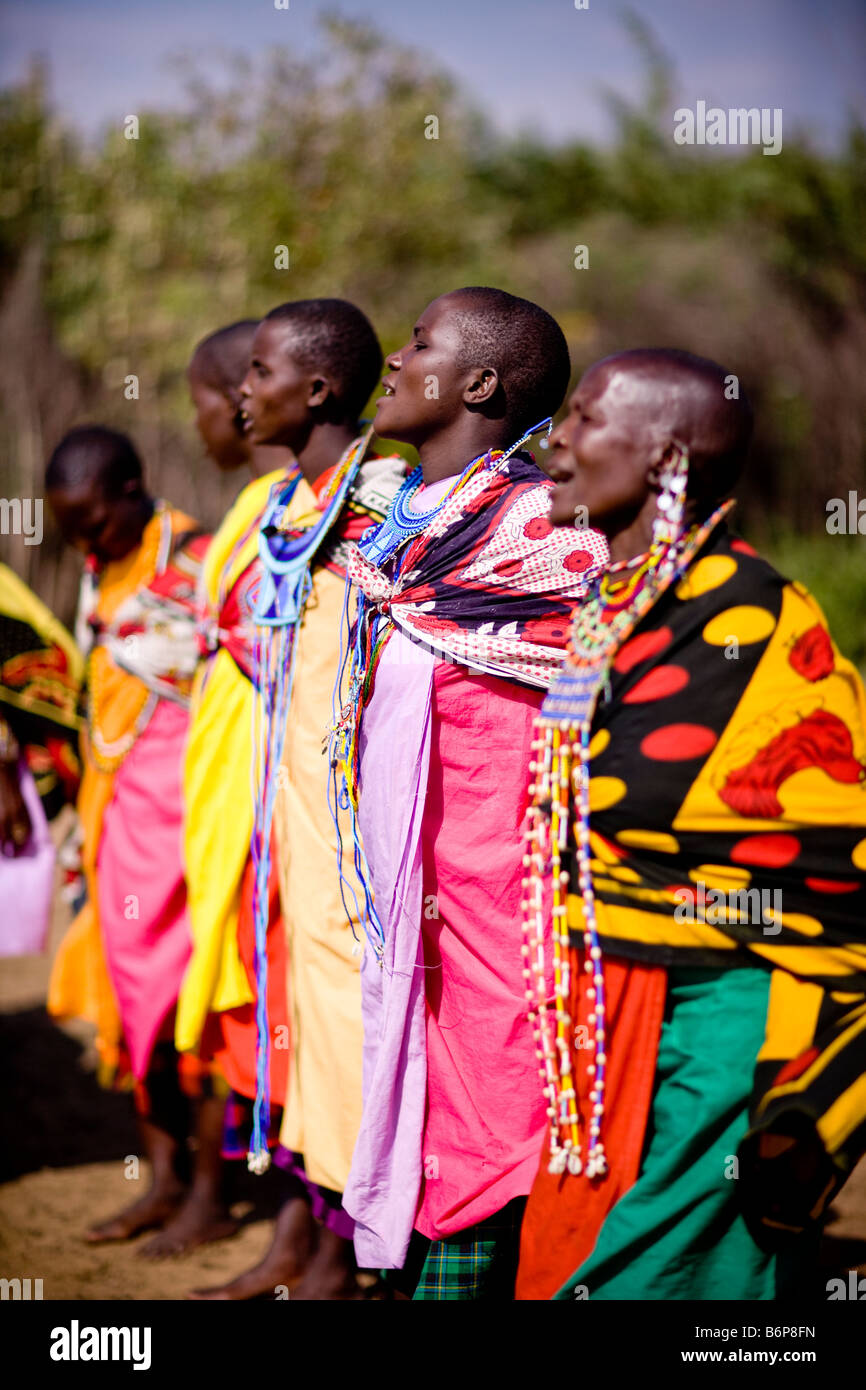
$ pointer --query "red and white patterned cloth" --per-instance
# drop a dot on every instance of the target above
(490, 584)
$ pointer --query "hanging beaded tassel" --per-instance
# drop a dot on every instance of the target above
(274, 663)
(674, 478)
(596, 1165)
(284, 588)
(559, 769)
(559, 778)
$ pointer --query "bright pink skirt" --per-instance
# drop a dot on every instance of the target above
(141, 887)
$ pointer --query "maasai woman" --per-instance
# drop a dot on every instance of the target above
(40, 677)
(218, 808)
(467, 595)
(314, 364)
(123, 959)
(699, 803)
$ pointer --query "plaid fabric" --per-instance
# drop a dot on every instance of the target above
(480, 1262)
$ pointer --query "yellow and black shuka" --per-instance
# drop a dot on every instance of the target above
(728, 828)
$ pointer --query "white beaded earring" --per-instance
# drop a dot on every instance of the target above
(674, 478)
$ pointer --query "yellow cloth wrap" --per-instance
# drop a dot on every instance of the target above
(323, 1111)
(217, 828)
(80, 985)
(757, 856)
(774, 699)
(217, 786)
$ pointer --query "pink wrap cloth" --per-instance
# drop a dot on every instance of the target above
(142, 894)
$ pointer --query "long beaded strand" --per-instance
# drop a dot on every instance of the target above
(285, 585)
(560, 774)
(559, 771)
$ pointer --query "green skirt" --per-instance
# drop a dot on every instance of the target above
(678, 1233)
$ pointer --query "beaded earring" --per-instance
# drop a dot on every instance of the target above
(674, 478)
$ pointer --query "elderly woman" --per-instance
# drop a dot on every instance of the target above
(698, 821)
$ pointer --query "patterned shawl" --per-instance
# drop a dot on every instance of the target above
(150, 631)
(137, 620)
(728, 818)
(41, 671)
(490, 583)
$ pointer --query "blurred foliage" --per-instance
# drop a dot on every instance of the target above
(144, 245)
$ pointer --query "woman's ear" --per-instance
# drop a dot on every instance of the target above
(482, 386)
(320, 390)
(661, 456)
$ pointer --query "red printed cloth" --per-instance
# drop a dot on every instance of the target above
(490, 584)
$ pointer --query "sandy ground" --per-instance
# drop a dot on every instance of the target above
(63, 1145)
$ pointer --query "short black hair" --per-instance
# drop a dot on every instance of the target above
(523, 342)
(334, 336)
(703, 405)
(222, 358)
(92, 453)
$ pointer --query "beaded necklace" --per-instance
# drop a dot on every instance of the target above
(154, 551)
(384, 541)
(559, 770)
(371, 631)
(286, 585)
(227, 578)
(402, 523)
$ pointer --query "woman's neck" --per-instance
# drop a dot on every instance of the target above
(452, 449)
(324, 446)
(636, 537)
(267, 458)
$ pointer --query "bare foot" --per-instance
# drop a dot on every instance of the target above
(331, 1274)
(153, 1209)
(283, 1266)
(196, 1223)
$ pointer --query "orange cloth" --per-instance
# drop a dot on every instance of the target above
(229, 1038)
(80, 986)
(564, 1214)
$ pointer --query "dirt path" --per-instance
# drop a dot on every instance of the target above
(63, 1145)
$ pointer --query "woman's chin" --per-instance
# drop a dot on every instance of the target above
(383, 422)
(562, 509)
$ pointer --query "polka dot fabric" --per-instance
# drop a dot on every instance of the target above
(491, 584)
(736, 729)
(728, 766)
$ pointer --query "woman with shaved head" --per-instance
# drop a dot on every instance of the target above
(698, 818)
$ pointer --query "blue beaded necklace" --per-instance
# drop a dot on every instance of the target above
(378, 545)
(402, 524)
(285, 586)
